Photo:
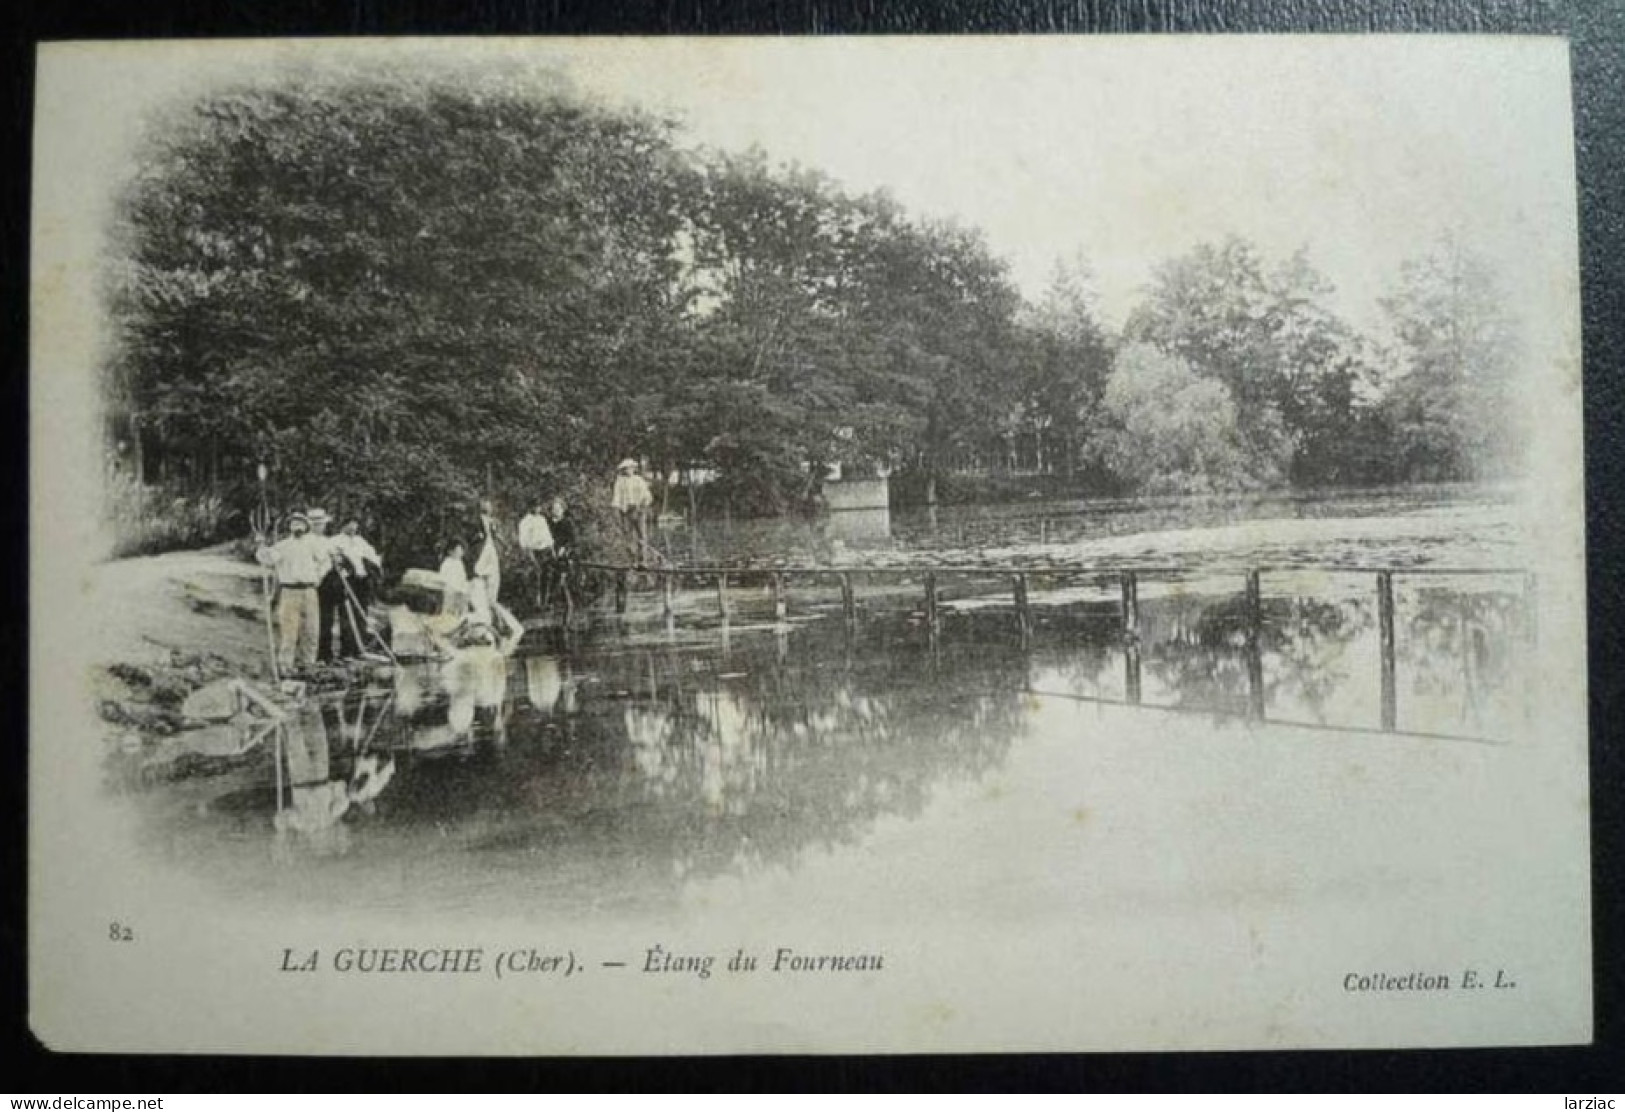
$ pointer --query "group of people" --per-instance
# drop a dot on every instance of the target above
(324, 586)
(547, 538)
(477, 594)
(326, 583)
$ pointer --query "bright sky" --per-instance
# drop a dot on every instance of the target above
(1128, 151)
(1119, 151)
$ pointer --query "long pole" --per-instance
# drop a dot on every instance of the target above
(264, 529)
(351, 613)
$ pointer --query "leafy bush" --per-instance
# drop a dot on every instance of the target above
(146, 519)
(1174, 432)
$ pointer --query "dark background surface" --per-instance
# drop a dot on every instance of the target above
(1597, 33)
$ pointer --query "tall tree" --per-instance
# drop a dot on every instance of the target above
(1068, 361)
(401, 296)
(1455, 348)
(841, 331)
(1292, 367)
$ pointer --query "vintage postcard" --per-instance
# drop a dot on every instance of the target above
(806, 546)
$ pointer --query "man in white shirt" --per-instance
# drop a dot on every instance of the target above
(536, 541)
(632, 498)
(301, 559)
(361, 566)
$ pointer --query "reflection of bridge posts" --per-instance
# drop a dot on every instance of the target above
(779, 607)
(1385, 626)
(620, 593)
(1024, 614)
(933, 619)
(1255, 659)
(722, 596)
(1131, 636)
(849, 602)
(667, 610)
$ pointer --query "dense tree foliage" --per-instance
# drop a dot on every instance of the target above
(1174, 431)
(404, 297)
(1061, 381)
(1449, 412)
(398, 298)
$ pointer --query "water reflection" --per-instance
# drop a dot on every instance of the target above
(612, 769)
(1459, 659)
(450, 705)
(316, 789)
(1466, 654)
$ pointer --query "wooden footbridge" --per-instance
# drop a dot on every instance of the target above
(1021, 581)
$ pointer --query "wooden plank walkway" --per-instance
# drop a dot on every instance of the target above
(1128, 577)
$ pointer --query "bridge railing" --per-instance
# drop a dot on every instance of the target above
(1128, 577)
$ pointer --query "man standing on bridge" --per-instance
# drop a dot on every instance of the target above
(631, 499)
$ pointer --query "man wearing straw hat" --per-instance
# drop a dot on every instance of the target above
(631, 499)
(301, 559)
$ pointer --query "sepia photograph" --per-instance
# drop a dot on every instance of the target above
(606, 547)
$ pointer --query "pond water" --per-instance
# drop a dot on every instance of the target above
(624, 767)
(1392, 527)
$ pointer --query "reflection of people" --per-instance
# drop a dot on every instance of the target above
(369, 777)
(308, 758)
(632, 499)
(543, 683)
(461, 682)
(301, 560)
(316, 801)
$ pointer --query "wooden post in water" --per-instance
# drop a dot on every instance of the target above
(1024, 614)
(722, 595)
(849, 602)
(1131, 636)
(1385, 627)
(667, 596)
(1131, 606)
(1254, 639)
(620, 592)
(932, 613)
(779, 607)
